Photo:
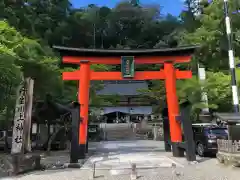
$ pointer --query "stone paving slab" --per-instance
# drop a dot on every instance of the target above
(123, 161)
(192, 172)
(206, 169)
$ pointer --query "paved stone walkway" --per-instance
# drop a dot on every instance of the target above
(114, 159)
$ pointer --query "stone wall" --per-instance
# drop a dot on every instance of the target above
(228, 152)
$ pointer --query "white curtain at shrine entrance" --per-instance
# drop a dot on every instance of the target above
(144, 110)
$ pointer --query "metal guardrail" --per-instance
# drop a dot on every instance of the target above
(228, 146)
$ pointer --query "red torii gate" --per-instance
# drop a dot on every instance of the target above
(127, 58)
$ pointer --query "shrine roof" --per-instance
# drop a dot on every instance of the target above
(179, 51)
(123, 88)
(228, 117)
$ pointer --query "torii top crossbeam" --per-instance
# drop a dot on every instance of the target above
(142, 56)
(113, 57)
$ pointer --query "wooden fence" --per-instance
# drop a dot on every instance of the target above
(228, 146)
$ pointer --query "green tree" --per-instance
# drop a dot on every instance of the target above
(211, 36)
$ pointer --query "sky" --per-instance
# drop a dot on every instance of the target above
(173, 7)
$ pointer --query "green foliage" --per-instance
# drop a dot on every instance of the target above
(211, 36)
(31, 27)
(219, 91)
(29, 56)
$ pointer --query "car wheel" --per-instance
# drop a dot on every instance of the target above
(200, 149)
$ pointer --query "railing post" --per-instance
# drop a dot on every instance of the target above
(133, 171)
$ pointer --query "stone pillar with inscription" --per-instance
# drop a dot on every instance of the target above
(22, 122)
(19, 117)
(18, 127)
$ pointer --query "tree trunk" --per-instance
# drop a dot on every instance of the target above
(6, 145)
(6, 124)
(28, 115)
(52, 138)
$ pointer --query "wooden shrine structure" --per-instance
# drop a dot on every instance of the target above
(128, 59)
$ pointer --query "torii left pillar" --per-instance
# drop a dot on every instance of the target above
(83, 98)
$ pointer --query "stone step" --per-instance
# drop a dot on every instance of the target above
(120, 135)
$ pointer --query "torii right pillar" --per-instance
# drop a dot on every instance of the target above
(173, 109)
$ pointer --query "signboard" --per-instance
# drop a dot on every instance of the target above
(127, 66)
(19, 118)
(202, 73)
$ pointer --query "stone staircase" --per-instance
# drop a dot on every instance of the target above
(116, 132)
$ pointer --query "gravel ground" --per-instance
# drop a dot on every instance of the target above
(138, 152)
